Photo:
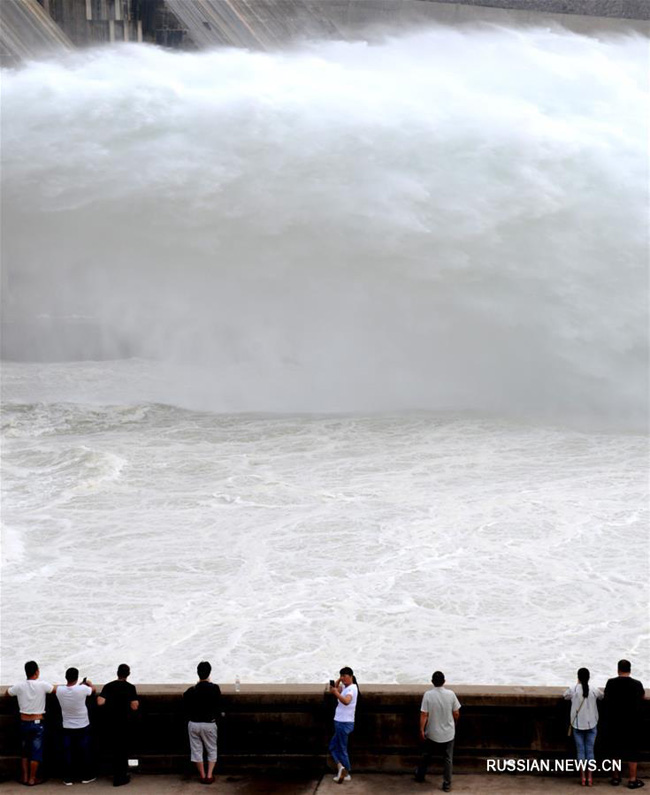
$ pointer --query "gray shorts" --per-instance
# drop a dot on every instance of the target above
(202, 735)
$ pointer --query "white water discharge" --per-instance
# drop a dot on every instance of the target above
(423, 264)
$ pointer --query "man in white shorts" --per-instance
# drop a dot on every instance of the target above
(439, 714)
(202, 705)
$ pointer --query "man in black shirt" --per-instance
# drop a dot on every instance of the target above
(623, 697)
(202, 706)
(120, 701)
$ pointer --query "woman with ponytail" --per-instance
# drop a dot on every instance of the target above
(346, 691)
(584, 719)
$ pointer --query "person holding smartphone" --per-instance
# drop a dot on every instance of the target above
(77, 759)
(346, 692)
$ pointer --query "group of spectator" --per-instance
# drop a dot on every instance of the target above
(623, 696)
(118, 699)
(439, 714)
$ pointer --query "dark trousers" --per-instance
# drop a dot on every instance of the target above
(118, 744)
(77, 762)
(432, 749)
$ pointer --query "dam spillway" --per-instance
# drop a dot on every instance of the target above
(27, 31)
(380, 300)
(32, 26)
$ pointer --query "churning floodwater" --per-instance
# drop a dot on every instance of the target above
(334, 355)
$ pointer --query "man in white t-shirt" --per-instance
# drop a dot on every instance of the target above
(76, 728)
(31, 695)
(439, 714)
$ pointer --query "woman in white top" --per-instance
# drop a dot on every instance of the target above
(346, 691)
(584, 718)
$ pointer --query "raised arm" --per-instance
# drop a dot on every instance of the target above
(343, 699)
(336, 691)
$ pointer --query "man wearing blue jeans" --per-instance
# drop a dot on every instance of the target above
(439, 714)
(31, 695)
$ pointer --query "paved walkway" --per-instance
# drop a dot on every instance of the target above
(363, 784)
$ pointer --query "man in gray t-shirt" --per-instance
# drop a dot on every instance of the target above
(438, 716)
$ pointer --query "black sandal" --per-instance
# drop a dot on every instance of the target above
(636, 784)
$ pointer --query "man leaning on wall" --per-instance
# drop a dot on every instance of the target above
(31, 695)
(119, 699)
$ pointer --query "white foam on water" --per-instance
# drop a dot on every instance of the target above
(281, 547)
(452, 221)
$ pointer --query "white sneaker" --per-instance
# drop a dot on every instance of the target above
(89, 780)
(67, 783)
(342, 776)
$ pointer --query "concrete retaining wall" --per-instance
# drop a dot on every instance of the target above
(288, 726)
(272, 23)
(267, 24)
(622, 9)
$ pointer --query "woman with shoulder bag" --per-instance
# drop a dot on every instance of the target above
(584, 720)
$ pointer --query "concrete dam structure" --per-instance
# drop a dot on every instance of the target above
(27, 30)
(38, 27)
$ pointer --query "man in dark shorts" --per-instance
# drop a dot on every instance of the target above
(623, 697)
(202, 704)
(119, 699)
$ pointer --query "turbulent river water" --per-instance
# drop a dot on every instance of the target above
(355, 360)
